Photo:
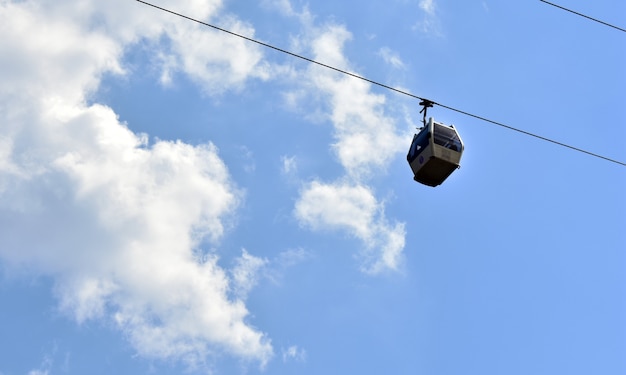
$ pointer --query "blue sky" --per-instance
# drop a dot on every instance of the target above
(177, 200)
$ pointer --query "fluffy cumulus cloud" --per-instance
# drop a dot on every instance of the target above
(366, 141)
(365, 135)
(115, 220)
(354, 208)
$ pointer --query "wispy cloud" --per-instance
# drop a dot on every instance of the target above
(46, 364)
(289, 164)
(291, 257)
(392, 58)
(428, 6)
(429, 20)
(294, 353)
(245, 274)
(276, 268)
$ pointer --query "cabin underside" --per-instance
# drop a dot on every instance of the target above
(434, 172)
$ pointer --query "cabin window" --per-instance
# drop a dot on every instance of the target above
(447, 137)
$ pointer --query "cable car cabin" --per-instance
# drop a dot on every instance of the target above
(435, 153)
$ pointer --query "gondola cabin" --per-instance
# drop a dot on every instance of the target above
(435, 153)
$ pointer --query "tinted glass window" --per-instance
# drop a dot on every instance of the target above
(447, 137)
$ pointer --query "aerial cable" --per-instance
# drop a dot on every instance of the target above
(582, 15)
(381, 84)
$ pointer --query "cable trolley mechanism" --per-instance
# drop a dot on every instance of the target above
(435, 151)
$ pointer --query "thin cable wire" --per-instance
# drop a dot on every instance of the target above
(582, 15)
(382, 84)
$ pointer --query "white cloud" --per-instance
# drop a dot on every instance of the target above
(354, 208)
(247, 158)
(427, 6)
(49, 27)
(227, 64)
(117, 224)
(116, 221)
(290, 164)
(291, 257)
(245, 274)
(46, 363)
(392, 58)
(429, 23)
(365, 143)
(365, 135)
(65, 54)
(294, 353)
(286, 8)
(275, 270)
(283, 6)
